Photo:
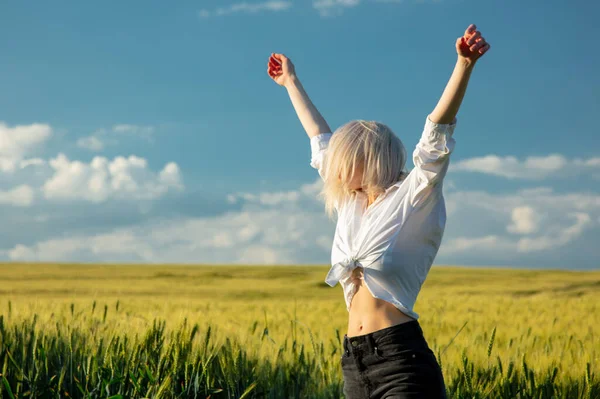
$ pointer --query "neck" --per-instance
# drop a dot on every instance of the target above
(371, 199)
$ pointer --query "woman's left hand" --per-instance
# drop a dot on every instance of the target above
(471, 46)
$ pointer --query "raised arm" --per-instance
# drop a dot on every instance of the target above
(470, 47)
(282, 71)
(432, 153)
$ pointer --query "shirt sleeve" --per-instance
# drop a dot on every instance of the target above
(318, 147)
(432, 154)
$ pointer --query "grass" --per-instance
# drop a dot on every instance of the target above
(274, 332)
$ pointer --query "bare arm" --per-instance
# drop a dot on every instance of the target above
(312, 121)
(469, 48)
(282, 71)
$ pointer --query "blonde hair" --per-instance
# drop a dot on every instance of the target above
(367, 144)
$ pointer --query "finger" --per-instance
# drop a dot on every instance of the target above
(273, 64)
(461, 42)
(470, 29)
(278, 58)
(274, 61)
(275, 68)
(484, 48)
(281, 58)
(275, 72)
(474, 47)
(474, 37)
(478, 45)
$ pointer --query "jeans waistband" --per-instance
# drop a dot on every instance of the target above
(403, 331)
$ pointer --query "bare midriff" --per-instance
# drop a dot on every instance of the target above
(368, 314)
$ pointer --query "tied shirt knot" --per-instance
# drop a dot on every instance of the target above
(341, 269)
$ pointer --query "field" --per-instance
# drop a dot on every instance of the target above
(253, 332)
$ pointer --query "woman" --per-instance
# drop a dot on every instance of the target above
(389, 228)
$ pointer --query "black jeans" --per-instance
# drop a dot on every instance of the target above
(391, 363)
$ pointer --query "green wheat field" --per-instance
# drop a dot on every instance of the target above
(145, 331)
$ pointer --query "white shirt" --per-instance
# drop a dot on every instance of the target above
(393, 242)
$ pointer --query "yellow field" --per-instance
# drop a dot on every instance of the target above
(553, 317)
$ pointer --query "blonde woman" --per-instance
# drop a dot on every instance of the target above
(389, 228)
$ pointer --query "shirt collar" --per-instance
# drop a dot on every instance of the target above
(397, 184)
(386, 192)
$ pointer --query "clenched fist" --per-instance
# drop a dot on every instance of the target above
(281, 69)
(471, 46)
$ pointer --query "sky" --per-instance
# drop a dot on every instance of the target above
(150, 132)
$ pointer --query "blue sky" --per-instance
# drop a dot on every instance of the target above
(151, 132)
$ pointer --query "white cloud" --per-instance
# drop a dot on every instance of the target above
(102, 179)
(231, 199)
(532, 168)
(531, 225)
(543, 198)
(144, 132)
(325, 8)
(92, 143)
(18, 141)
(328, 8)
(31, 162)
(23, 179)
(119, 243)
(255, 234)
(540, 222)
(561, 236)
(592, 162)
(102, 138)
(559, 233)
(331, 8)
(465, 244)
(170, 176)
(534, 226)
(247, 8)
(524, 220)
(274, 198)
(22, 195)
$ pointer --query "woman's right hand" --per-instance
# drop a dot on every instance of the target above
(281, 69)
